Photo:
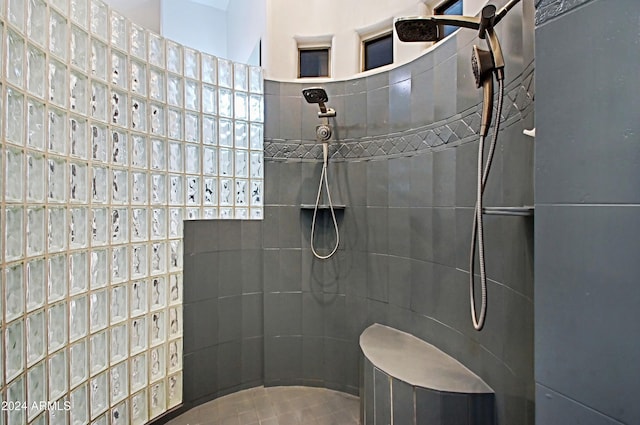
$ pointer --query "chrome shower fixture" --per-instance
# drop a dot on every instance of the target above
(319, 95)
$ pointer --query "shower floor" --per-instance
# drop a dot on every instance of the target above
(276, 406)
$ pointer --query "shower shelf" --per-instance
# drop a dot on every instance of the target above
(526, 211)
(322, 206)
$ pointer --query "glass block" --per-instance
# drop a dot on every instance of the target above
(58, 34)
(98, 226)
(241, 106)
(157, 361)
(209, 161)
(225, 103)
(119, 264)
(175, 321)
(119, 186)
(138, 336)
(139, 367)
(58, 136)
(79, 12)
(139, 151)
(157, 399)
(192, 127)
(241, 134)
(98, 144)
(14, 337)
(98, 312)
(156, 50)
(119, 309)
(225, 76)
(174, 90)
(98, 59)
(174, 390)
(156, 84)
(35, 284)
(119, 343)
(192, 213)
(226, 132)
(35, 337)
(226, 162)
(58, 375)
(138, 41)
(158, 223)
(79, 48)
(192, 159)
(118, 31)
(176, 190)
(99, 394)
(138, 261)
(35, 125)
(209, 99)
(158, 258)
(15, 59)
(78, 276)
(14, 292)
(56, 229)
(257, 170)
(35, 231)
(118, 69)
(119, 225)
(57, 180)
(36, 66)
(16, 396)
(175, 124)
(242, 197)
(120, 414)
(138, 78)
(57, 327)
(175, 289)
(78, 363)
(119, 148)
(138, 188)
(14, 242)
(101, 420)
(79, 137)
(175, 157)
(174, 57)
(57, 278)
(191, 63)
(119, 108)
(15, 13)
(36, 389)
(209, 69)
(158, 188)
(240, 77)
(158, 293)
(78, 190)
(256, 108)
(98, 270)
(257, 140)
(98, 353)
(209, 130)
(241, 214)
(175, 355)
(175, 223)
(13, 173)
(78, 99)
(79, 414)
(138, 298)
(192, 95)
(139, 413)
(77, 318)
(157, 119)
(210, 192)
(37, 21)
(61, 5)
(256, 192)
(209, 213)
(226, 192)
(241, 163)
(98, 101)
(255, 79)
(99, 19)
(139, 224)
(14, 130)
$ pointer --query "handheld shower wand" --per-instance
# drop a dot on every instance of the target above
(485, 64)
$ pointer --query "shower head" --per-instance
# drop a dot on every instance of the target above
(483, 66)
(427, 28)
(319, 95)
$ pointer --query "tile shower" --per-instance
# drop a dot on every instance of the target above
(111, 137)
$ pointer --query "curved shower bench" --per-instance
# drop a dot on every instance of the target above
(410, 382)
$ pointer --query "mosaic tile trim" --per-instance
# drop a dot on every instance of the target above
(461, 128)
(549, 9)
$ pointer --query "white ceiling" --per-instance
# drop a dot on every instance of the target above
(218, 4)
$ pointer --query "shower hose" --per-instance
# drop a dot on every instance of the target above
(477, 232)
(324, 179)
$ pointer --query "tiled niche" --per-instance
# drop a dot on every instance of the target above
(111, 136)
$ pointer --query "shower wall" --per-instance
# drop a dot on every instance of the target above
(403, 162)
(587, 212)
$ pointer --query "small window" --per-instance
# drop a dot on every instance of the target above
(449, 7)
(314, 62)
(378, 52)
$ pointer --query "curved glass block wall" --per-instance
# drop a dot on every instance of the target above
(111, 136)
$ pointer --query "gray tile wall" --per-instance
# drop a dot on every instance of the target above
(587, 213)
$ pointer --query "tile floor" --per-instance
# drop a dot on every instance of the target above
(276, 406)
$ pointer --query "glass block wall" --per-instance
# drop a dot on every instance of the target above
(111, 136)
